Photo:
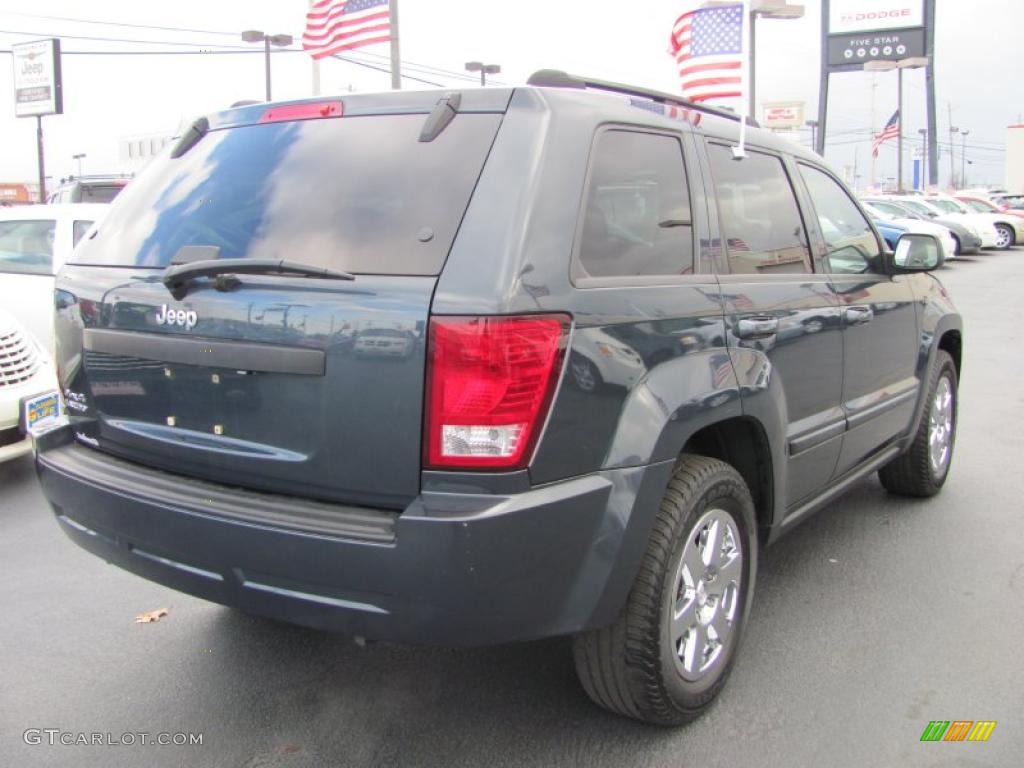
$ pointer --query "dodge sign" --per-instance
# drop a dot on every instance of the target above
(846, 16)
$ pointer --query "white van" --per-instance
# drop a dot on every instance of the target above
(35, 241)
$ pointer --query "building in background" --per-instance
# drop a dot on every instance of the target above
(133, 152)
(1015, 159)
(17, 193)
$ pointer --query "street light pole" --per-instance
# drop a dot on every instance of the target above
(256, 36)
(913, 62)
(770, 9)
(813, 125)
(79, 157)
(483, 69)
(924, 157)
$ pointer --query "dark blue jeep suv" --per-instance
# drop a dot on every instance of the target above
(491, 365)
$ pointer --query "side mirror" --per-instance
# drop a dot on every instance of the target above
(916, 253)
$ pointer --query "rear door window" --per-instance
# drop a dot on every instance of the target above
(636, 220)
(360, 194)
(760, 221)
(26, 247)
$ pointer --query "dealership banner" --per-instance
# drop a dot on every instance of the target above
(37, 78)
(846, 16)
(783, 115)
(875, 46)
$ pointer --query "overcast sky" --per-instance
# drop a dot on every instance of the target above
(979, 68)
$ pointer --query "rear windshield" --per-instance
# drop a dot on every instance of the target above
(98, 193)
(359, 194)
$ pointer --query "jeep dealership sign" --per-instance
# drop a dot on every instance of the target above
(847, 16)
(37, 81)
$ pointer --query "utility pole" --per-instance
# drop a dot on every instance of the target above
(874, 87)
(963, 158)
(924, 157)
(952, 151)
(933, 123)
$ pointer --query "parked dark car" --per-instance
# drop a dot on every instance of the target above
(229, 439)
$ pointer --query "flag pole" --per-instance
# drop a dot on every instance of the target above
(396, 61)
(316, 65)
(738, 153)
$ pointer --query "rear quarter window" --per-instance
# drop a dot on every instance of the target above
(636, 217)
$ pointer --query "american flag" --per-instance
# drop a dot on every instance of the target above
(671, 111)
(707, 45)
(338, 25)
(891, 131)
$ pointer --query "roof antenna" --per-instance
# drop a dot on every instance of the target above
(740, 152)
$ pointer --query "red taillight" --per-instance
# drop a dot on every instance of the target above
(309, 111)
(490, 381)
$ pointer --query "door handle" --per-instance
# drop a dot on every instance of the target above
(756, 327)
(858, 315)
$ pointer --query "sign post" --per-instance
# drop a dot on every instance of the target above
(38, 89)
(859, 32)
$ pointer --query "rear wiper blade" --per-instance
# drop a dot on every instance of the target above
(178, 276)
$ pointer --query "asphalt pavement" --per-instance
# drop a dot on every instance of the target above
(875, 617)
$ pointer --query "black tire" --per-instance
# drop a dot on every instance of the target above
(631, 666)
(1006, 235)
(913, 473)
(959, 249)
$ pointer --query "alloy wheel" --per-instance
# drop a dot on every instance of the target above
(940, 427)
(706, 608)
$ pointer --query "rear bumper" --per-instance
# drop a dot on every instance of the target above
(452, 569)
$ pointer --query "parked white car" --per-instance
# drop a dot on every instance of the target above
(1009, 228)
(977, 223)
(916, 226)
(26, 370)
(35, 241)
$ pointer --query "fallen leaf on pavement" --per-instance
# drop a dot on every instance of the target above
(151, 616)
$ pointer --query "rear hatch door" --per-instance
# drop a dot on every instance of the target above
(286, 383)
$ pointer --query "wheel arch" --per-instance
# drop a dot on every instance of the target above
(742, 442)
(947, 336)
(952, 342)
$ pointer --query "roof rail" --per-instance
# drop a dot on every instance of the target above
(555, 78)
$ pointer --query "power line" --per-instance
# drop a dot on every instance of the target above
(117, 23)
(428, 69)
(121, 40)
(243, 51)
